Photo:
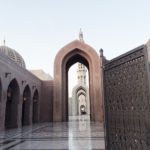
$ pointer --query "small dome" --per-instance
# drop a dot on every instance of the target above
(13, 55)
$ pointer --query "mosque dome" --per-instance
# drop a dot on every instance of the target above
(13, 55)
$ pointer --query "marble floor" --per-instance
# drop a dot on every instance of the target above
(77, 134)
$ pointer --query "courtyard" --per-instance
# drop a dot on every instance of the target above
(77, 134)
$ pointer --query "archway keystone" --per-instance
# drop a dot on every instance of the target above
(76, 51)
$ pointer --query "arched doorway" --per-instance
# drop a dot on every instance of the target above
(82, 101)
(78, 92)
(11, 112)
(35, 107)
(82, 109)
(26, 106)
(76, 52)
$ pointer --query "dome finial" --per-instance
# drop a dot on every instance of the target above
(81, 36)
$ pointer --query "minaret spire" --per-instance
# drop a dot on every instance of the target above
(81, 36)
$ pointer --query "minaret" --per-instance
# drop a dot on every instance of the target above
(81, 71)
(4, 42)
(81, 74)
(81, 36)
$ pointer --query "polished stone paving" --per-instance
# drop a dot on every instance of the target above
(77, 134)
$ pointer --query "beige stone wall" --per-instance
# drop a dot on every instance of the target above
(46, 105)
(148, 49)
(41, 74)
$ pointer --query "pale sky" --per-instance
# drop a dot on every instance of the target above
(38, 29)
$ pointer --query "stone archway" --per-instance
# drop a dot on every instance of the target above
(74, 52)
(35, 107)
(82, 99)
(26, 106)
(76, 92)
(11, 112)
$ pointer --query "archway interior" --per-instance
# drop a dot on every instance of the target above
(78, 87)
(11, 113)
(35, 107)
(26, 106)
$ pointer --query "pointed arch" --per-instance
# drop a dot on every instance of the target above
(80, 90)
(11, 111)
(26, 106)
(74, 52)
(35, 106)
(81, 93)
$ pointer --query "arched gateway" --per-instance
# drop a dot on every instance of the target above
(76, 51)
